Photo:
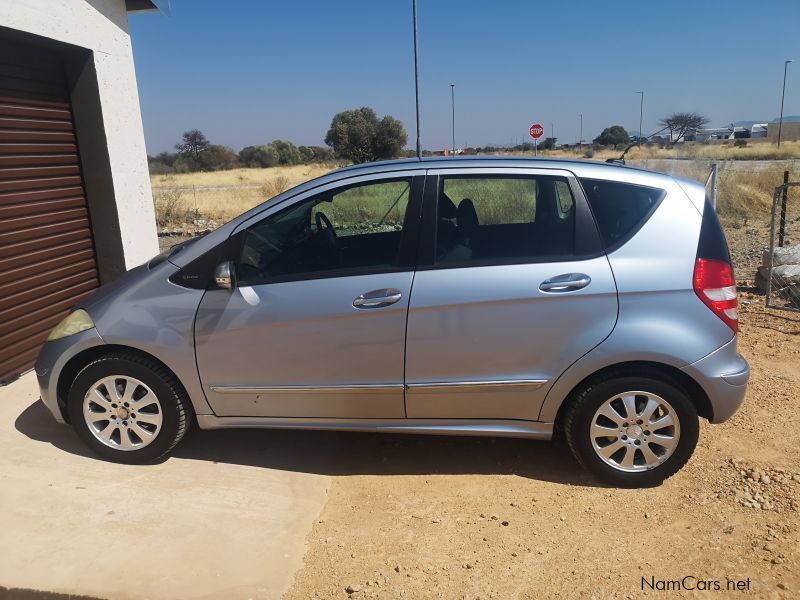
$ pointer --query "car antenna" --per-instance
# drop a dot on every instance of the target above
(621, 159)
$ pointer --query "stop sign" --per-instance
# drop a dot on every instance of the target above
(536, 131)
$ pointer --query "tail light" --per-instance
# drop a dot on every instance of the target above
(715, 284)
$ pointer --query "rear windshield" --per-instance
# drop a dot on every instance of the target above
(620, 209)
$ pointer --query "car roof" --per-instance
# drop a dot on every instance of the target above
(438, 162)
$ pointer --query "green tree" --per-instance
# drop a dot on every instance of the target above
(613, 136)
(193, 142)
(358, 135)
(320, 153)
(217, 158)
(287, 152)
(258, 156)
(679, 124)
(306, 154)
(213, 158)
(549, 143)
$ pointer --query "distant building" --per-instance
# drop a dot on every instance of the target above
(731, 132)
(789, 133)
(711, 133)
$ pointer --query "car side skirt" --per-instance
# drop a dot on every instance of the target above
(485, 427)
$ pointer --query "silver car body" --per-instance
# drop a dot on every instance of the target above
(477, 350)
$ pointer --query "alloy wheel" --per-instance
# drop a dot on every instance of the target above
(635, 431)
(122, 412)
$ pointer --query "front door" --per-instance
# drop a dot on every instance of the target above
(316, 324)
(516, 289)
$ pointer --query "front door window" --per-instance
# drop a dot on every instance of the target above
(346, 231)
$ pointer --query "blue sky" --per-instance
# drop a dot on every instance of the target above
(246, 72)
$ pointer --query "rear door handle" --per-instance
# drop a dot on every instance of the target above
(377, 298)
(567, 282)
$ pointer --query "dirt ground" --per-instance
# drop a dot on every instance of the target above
(438, 517)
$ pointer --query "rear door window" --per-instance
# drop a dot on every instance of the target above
(504, 220)
(620, 209)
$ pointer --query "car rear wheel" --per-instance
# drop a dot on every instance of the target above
(128, 408)
(632, 431)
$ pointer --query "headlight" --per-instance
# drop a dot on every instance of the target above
(75, 322)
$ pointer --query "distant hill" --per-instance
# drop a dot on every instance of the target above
(749, 122)
(785, 119)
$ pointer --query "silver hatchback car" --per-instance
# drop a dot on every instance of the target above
(500, 297)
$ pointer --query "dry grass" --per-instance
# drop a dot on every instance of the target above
(755, 150)
(748, 195)
(170, 203)
(222, 195)
(745, 190)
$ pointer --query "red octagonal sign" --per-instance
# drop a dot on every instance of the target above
(536, 131)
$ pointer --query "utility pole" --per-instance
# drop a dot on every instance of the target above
(416, 75)
(641, 112)
(453, 105)
(783, 93)
(580, 136)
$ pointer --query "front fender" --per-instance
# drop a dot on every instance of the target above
(53, 356)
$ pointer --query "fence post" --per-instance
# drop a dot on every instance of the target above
(714, 170)
(782, 224)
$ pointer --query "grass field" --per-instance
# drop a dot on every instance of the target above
(745, 188)
(753, 151)
(221, 195)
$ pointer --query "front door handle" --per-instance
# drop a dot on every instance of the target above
(377, 298)
(567, 282)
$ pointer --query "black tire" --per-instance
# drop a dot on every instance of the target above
(176, 409)
(586, 401)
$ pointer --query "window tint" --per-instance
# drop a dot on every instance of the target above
(347, 230)
(620, 209)
(565, 199)
(504, 219)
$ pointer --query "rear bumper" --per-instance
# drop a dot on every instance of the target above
(723, 375)
(52, 358)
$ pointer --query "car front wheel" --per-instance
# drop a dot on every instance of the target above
(632, 431)
(127, 408)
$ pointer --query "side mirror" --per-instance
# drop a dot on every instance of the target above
(224, 275)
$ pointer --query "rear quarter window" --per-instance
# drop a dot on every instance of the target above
(620, 209)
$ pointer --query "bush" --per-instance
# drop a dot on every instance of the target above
(358, 135)
(213, 158)
(275, 186)
(258, 156)
(157, 167)
(287, 152)
(740, 143)
(218, 158)
(170, 206)
(613, 136)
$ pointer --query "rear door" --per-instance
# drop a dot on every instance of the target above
(512, 288)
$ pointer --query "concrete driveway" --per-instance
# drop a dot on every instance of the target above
(222, 518)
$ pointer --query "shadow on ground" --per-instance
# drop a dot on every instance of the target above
(26, 594)
(347, 453)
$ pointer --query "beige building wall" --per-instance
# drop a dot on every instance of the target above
(790, 132)
(101, 26)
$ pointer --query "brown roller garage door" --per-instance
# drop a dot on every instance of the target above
(47, 257)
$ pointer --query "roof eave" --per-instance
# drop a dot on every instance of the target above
(136, 6)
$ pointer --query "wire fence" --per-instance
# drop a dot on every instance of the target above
(780, 267)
